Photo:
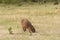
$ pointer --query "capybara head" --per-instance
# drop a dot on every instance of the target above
(27, 25)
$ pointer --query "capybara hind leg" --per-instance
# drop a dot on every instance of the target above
(24, 29)
(29, 30)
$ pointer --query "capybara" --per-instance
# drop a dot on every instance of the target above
(26, 24)
(56, 2)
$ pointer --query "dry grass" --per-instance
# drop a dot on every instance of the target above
(46, 20)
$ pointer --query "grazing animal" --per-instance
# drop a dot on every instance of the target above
(56, 2)
(27, 25)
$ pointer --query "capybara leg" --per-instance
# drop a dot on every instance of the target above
(29, 30)
(24, 29)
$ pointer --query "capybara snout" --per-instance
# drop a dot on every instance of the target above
(26, 24)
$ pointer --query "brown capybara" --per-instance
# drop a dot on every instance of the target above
(56, 2)
(27, 25)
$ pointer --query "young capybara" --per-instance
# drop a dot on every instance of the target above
(27, 25)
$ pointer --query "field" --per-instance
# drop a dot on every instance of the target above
(45, 18)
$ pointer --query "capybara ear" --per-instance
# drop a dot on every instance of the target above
(26, 24)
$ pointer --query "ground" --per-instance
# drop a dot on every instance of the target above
(45, 18)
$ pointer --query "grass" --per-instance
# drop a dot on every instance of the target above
(45, 18)
(10, 30)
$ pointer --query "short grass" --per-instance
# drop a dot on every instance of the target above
(45, 18)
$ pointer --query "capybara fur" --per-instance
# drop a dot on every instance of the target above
(26, 24)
